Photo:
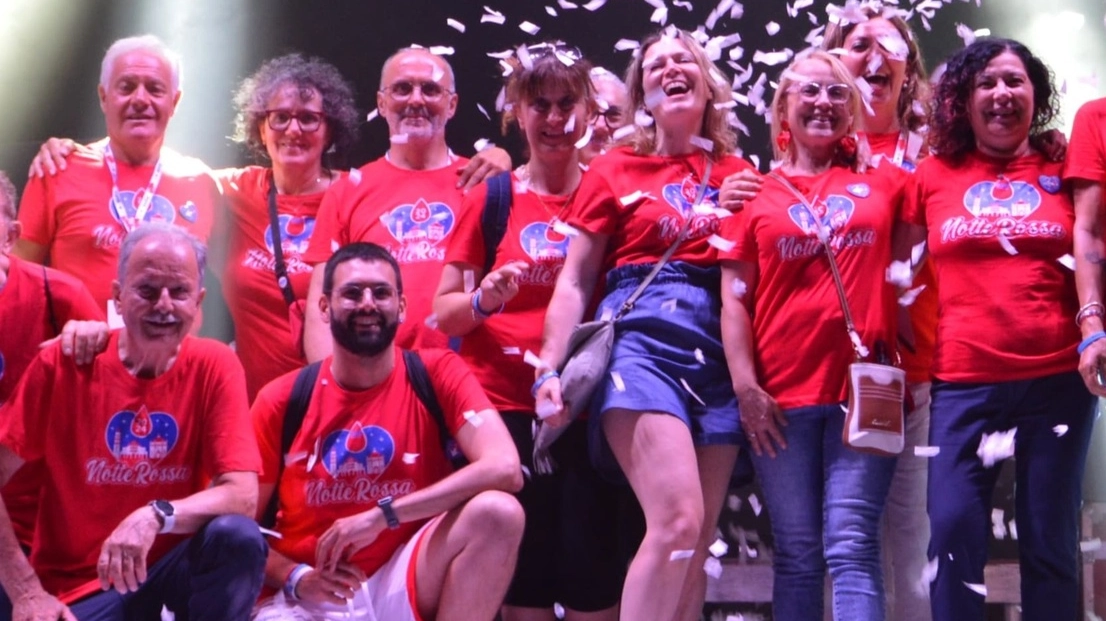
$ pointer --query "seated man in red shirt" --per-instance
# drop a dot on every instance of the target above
(149, 442)
(370, 509)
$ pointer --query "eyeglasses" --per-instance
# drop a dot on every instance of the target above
(279, 120)
(612, 116)
(836, 93)
(402, 90)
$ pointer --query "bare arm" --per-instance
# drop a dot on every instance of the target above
(761, 417)
(1090, 254)
(484, 164)
(453, 304)
(317, 343)
(30, 251)
(493, 465)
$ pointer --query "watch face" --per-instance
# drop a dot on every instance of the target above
(163, 507)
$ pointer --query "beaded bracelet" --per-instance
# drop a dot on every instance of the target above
(294, 577)
(1090, 309)
(477, 312)
(1094, 338)
(543, 378)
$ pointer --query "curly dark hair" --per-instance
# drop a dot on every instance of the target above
(950, 134)
(307, 74)
(7, 198)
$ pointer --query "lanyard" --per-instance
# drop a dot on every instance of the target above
(907, 141)
(147, 195)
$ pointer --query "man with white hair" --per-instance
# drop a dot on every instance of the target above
(77, 219)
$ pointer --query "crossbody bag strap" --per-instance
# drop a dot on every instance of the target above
(629, 304)
(854, 336)
(280, 268)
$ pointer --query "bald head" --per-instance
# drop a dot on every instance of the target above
(439, 68)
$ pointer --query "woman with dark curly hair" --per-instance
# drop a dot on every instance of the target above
(291, 111)
(999, 219)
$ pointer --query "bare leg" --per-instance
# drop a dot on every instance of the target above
(520, 613)
(466, 563)
(657, 456)
(715, 467)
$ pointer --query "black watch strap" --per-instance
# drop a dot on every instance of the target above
(385, 505)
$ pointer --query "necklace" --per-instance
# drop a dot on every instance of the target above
(523, 174)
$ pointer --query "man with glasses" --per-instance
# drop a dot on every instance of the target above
(77, 219)
(613, 112)
(407, 201)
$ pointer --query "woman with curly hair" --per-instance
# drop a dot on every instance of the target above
(665, 408)
(999, 219)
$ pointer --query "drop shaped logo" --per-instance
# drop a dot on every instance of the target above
(358, 452)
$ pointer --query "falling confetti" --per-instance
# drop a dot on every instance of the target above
(713, 567)
(456, 25)
(995, 447)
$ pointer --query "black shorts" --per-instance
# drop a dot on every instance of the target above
(581, 531)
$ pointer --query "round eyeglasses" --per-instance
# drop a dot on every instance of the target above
(279, 120)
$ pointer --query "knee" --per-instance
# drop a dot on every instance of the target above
(494, 515)
(235, 539)
(679, 527)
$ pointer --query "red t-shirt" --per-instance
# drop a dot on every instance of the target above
(923, 312)
(1086, 157)
(370, 444)
(263, 337)
(801, 348)
(641, 230)
(1001, 317)
(494, 349)
(113, 442)
(23, 304)
(412, 213)
(71, 213)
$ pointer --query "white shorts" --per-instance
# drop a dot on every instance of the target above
(388, 594)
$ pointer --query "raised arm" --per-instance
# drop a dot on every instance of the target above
(460, 311)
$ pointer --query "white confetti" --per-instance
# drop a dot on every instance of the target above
(469, 277)
(570, 126)
(642, 118)
(473, 417)
(585, 139)
(929, 574)
(431, 321)
(772, 28)
(606, 315)
(899, 274)
(398, 138)
(713, 567)
(616, 379)
(454, 24)
(927, 451)
(545, 409)
(512, 351)
(1060, 430)
(705, 144)
(371, 116)
(623, 132)
(483, 111)
(533, 360)
(565, 4)
(552, 11)
(1006, 245)
(1067, 261)
(594, 4)
(691, 392)
(739, 288)
(998, 526)
(564, 229)
(355, 176)
(493, 16)
(909, 296)
(292, 458)
(858, 344)
(670, 305)
(409, 458)
(525, 471)
(917, 252)
(482, 144)
(772, 58)
(699, 356)
(270, 533)
(679, 555)
(654, 97)
(634, 197)
(626, 44)
(1090, 545)
(754, 504)
(659, 16)
(978, 588)
(1014, 530)
(721, 243)
(529, 28)
(995, 447)
(719, 548)
(334, 245)
(441, 50)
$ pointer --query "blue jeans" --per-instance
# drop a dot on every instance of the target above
(824, 502)
(1048, 469)
(215, 575)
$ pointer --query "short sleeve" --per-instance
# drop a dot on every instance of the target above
(267, 414)
(329, 230)
(913, 203)
(456, 387)
(229, 437)
(466, 244)
(595, 208)
(1086, 157)
(22, 425)
(738, 230)
(36, 211)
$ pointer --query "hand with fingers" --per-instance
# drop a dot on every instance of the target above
(739, 188)
(81, 339)
(51, 157)
(1092, 366)
(548, 402)
(320, 586)
(762, 420)
(500, 286)
(38, 605)
(490, 161)
(122, 562)
(346, 537)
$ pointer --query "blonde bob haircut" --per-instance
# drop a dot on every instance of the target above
(715, 125)
(792, 76)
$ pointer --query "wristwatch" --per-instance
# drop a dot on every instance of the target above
(385, 505)
(163, 509)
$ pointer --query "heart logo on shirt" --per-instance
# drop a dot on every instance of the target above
(859, 190)
(420, 221)
(681, 196)
(834, 212)
(189, 212)
(1002, 198)
(358, 452)
(295, 233)
(1049, 183)
(141, 437)
(542, 243)
(161, 209)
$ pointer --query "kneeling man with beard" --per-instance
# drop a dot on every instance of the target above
(370, 511)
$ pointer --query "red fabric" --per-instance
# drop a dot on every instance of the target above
(373, 443)
(494, 349)
(70, 213)
(641, 231)
(263, 338)
(1000, 317)
(23, 304)
(1086, 158)
(796, 305)
(101, 441)
(412, 213)
(923, 312)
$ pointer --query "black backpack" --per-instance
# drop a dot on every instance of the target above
(493, 221)
(301, 398)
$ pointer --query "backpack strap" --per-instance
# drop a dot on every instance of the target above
(294, 414)
(493, 220)
(424, 389)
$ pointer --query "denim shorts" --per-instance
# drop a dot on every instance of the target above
(667, 354)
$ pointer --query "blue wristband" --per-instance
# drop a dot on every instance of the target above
(544, 377)
(477, 312)
(294, 578)
(1097, 336)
